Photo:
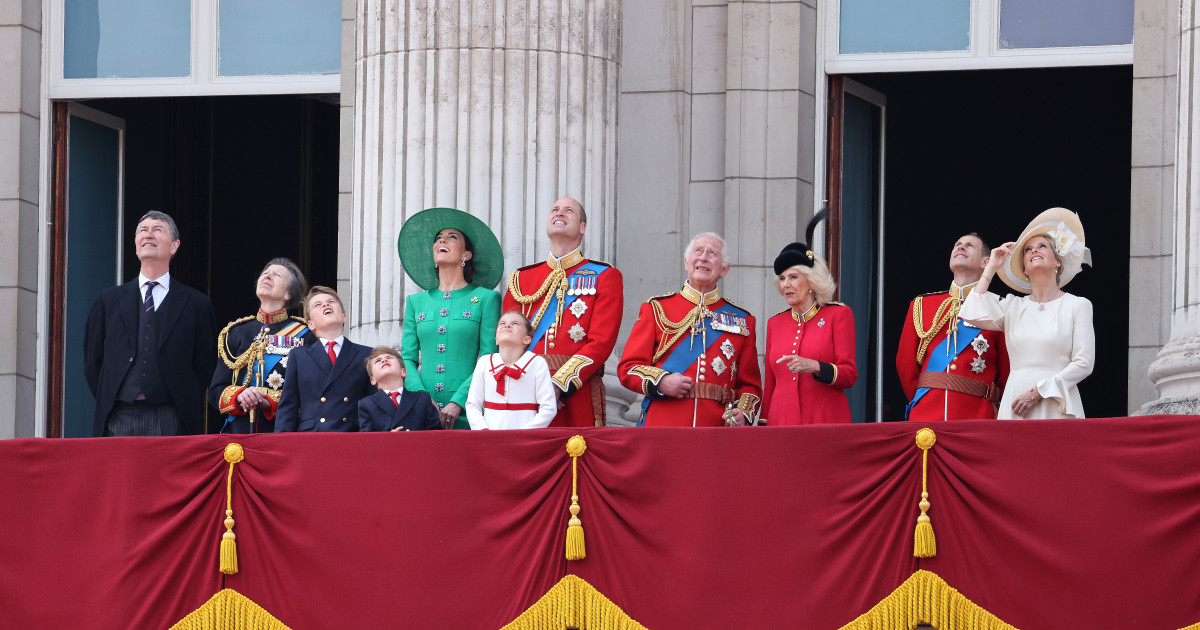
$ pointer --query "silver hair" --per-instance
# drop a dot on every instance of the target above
(165, 218)
(725, 256)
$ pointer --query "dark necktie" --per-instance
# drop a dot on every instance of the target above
(148, 303)
(395, 398)
(332, 355)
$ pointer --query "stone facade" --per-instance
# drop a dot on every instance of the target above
(20, 159)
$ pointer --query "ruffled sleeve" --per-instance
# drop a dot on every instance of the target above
(1062, 386)
(983, 310)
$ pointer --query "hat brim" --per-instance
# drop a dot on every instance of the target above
(1065, 230)
(415, 246)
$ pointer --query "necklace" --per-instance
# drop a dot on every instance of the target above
(1042, 304)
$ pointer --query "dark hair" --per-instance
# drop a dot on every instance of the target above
(165, 218)
(297, 286)
(469, 265)
(321, 290)
(528, 325)
(378, 351)
(987, 251)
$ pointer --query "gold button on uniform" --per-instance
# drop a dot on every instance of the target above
(953, 367)
(345, 400)
(322, 419)
(322, 399)
(702, 377)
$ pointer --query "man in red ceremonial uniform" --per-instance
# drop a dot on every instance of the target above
(949, 370)
(574, 305)
(693, 354)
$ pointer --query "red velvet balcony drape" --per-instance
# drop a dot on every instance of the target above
(1046, 524)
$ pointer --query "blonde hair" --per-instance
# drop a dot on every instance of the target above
(819, 280)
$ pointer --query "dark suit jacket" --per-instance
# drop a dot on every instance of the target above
(414, 413)
(186, 347)
(318, 396)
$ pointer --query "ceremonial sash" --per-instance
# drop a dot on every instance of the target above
(685, 354)
(270, 359)
(593, 271)
(938, 358)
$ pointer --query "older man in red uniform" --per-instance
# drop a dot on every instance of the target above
(692, 353)
(575, 307)
(949, 370)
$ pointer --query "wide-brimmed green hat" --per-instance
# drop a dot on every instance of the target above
(415, 246)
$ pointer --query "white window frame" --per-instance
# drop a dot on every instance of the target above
(984, 51)
(203, 80)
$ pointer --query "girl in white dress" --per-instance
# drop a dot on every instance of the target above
(511, 389)
(1048, 332)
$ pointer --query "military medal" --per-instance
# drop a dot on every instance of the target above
(979, 344)
(718, 366)
(575, 332)
(977, 365)
(727, 349)
(275, 381)
(578, 308)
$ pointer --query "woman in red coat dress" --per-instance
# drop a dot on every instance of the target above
(810, 346)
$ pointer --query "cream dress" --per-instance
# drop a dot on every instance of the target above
(1053, 349)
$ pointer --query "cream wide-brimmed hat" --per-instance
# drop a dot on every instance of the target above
(1065, 232)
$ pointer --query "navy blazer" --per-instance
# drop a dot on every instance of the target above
(187, 330)
(318, 396)
(415, 412)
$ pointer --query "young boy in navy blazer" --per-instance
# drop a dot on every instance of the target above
(391, 408)
(325, 381)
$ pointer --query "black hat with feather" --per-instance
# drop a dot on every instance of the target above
(800, 253)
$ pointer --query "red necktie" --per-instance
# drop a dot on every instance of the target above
(506, 370)
(395, 398)
(332, 355)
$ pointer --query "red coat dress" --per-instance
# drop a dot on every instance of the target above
(582, 337)
(827, 336)
(985, 361)
(728, 363)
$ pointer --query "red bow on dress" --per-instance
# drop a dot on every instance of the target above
(506, 370)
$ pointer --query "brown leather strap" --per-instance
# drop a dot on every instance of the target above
(960, 384)
(555, 361)
(708, 391)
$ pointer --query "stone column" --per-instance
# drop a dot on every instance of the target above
(1176, 371)
(494, 107)
(20, 159)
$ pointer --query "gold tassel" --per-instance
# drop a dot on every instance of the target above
(229, 563)
(576, 550)
(924, 543)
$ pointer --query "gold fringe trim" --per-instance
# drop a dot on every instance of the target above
(924, 542)
(229, 563)
(229, 610)
(576, 604)
(576, 550)
(926, 598)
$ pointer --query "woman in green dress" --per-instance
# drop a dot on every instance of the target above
(456, 258)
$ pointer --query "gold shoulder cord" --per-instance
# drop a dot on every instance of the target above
(252, 355)
(673, 330)
(223, 350)
(556, 277)
(946, 312)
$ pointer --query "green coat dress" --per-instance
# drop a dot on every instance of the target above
(445, 333)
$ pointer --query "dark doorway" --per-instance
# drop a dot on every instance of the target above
(246, 178)
(985, 151)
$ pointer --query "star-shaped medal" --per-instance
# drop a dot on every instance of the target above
(718, 366)
(576, 332)
(979, 344)
(977, 364)
(727, 349)
(275, 381)
(578, 308)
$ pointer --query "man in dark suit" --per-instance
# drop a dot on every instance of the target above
(391, 408)
(326, 380)
(148, 347)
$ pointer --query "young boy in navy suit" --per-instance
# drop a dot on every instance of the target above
(391, 408)
(325, 381)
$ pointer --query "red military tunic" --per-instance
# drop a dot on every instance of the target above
(824, 334)
(582, 335)
(985, 360)
(727, 364)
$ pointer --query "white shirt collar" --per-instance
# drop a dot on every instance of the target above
(163, 281)
(341, 340)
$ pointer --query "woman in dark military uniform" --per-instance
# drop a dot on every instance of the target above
(253, 352)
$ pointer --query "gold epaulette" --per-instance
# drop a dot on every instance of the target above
(534, 265)
(661, 297)
(835, 304)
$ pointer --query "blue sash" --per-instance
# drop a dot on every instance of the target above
(685, 354)
(938, 359)
(552, 304)
(269, 361)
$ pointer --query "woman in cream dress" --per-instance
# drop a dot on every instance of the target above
(1051, 343)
